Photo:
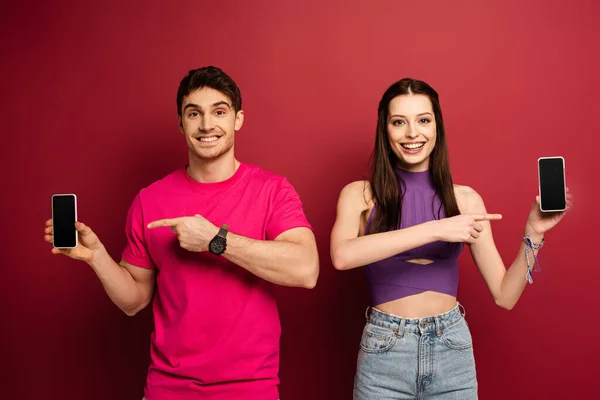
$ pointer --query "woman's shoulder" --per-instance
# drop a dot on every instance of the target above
(464, 190)
(469, 201)
(358, 193)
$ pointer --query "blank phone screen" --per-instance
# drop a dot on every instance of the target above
(63, 219)
(552, 184)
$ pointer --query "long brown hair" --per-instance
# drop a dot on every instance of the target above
(384, 180)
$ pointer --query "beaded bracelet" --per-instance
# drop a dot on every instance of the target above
(530, 246)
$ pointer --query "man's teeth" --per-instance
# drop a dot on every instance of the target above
(412, 146)
(207, 139)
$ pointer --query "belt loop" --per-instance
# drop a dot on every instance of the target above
(438, 326)
(460, 307)
(400, 333)
(367, 313)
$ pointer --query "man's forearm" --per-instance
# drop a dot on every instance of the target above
(118, 283)
(277, 261)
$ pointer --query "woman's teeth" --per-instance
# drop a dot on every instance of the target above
(412, 146)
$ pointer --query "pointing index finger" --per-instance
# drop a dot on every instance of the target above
(487, 217)
(163, 222)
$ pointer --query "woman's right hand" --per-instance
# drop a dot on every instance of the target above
(88, 243)
(462, 228)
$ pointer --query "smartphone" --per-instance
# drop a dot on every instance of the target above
(553, 187)
(64, 215)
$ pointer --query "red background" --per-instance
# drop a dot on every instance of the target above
(88, 106)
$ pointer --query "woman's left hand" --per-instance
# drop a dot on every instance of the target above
(541, 222)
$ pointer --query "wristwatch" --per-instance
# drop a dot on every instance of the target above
(218, 244)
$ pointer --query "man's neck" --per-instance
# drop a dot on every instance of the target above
(210, 171)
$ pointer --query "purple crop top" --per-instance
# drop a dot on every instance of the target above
(394, 277)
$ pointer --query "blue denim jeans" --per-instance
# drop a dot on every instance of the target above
(426, 358)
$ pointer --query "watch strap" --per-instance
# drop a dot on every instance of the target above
(223, 231)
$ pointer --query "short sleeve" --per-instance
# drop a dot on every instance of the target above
(287, 211)
(136, 251)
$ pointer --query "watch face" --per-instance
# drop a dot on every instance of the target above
(217, 245)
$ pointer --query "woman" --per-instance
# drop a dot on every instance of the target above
(407, 226)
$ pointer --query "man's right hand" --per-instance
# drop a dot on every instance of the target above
(87, 247)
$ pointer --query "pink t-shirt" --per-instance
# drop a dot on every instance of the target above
(216, 325)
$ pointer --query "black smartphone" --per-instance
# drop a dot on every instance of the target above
(553, 187)
(64, 215)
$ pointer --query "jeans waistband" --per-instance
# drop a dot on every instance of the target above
(400, 325)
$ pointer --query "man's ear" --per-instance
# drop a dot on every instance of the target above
(239, 120)
(180, 123)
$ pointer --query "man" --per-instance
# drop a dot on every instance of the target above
(213, 238)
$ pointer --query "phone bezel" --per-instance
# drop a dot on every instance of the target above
(540, 181)
(76, 233)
